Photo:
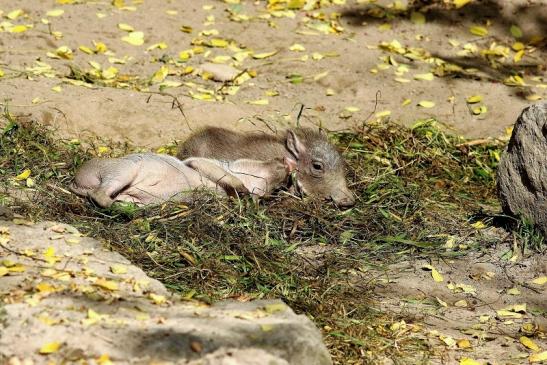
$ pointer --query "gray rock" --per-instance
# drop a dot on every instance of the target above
(522, 173)
(65, 288)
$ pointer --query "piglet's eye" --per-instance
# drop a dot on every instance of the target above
(317, 166)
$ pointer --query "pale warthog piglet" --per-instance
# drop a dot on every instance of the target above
(320, 169)
(147, 178)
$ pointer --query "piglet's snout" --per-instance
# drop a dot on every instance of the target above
(343, 198)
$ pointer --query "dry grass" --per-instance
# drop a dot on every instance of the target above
(413, 186)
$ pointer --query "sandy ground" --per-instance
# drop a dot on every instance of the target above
(339, 56)
(335, 50)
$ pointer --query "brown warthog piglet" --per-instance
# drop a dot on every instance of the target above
(320, 169)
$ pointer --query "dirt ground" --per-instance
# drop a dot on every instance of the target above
(334, 50)
(342, 63)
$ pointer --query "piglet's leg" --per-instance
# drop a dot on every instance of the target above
(215, 173)
(115, 177)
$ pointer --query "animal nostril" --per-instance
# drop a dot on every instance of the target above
(345, 201)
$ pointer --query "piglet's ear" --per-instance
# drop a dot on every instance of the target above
(290, 164)
(294, 145)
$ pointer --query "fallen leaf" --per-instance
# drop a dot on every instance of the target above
(297, 48)
(513, 291)
(107, 284)
(55, 12)
(23, 175)
(118, 269)
(126, 27)
(383, 113)
(434, 273)
(540, 281)
(157, 299)
(417, 18)
(463, 343)
(533, 97)
(426, 104)
(542, 356)
(426, 77)
(478, 30)
(258, 102)
(134, 38)
(461, 3)
(474, 99)
(527, 342)
(515, 31)
(461, 303)
(50, 348)
(264, 55)
(469, 361)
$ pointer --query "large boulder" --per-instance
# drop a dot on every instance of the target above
(64, 298)
(522, 173)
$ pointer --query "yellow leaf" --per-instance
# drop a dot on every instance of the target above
(406, 102)
(259, 102)
(383, 113)
(161, 45)
(161, 74)
(330, 92)
(426, 104)
(85, 49)
(515, 80)
(95, 65)
(50, 348)
(23, 175)
(55, 12)
(461, 303)
(219, 43)
(3, 271)
(45, 288)
(107, 284)
(118, 269)
(479, 110)
(275, 307)
(426, 77)
(384, 27)
(515, 31)
(517, 46)
(104, 359)
(14, 14)
(100, 47)
(109, 73)
(417, 18)
(542, 356)
(540, 281)
(478, 30)
(468, 361)
(126, 27)
(402, 80)
(461, 3)
(18, 29)
(463, 343)
(64, 52)
(264, 55)
(434, 273)
(474, 99)
(134, 38)
(478, 225)
(297, 48)
(518, 56)
(352, 109)
(448, 341)
(533, 97)
(1, 72)
(513, 291)
(527, 342)
(157, 299)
